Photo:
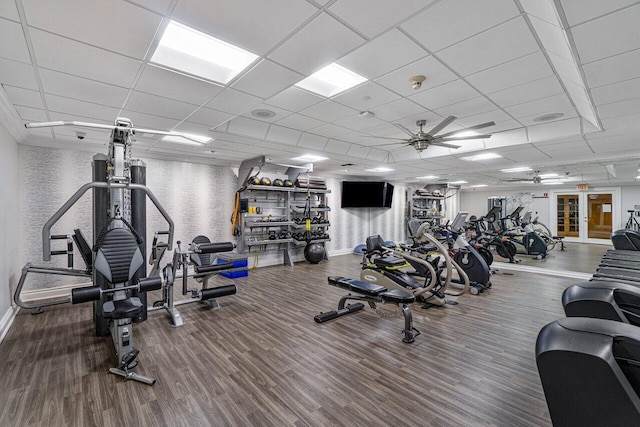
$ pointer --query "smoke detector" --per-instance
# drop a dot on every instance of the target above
(416, 81)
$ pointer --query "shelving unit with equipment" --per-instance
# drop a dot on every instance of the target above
(425, 206)
(274, 216)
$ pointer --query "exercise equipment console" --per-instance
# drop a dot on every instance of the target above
(372, 294)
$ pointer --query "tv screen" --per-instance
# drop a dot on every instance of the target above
(366, 194)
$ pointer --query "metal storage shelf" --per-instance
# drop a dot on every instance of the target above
(269, 224)
(268, 242)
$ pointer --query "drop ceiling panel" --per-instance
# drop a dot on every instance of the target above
(622, 108)
(614, 145)
(209, 117)
(248, 127)
(294, 99)
(158, 6)
(614, 69)
(233, 101)
(559, 129)
(559, 151)
(24, 97)
(366, 96)
(544, 10)
(617, 92)
(507, 42)
(279, 113)
(609, 35)
(315, 142)
(283, 135)
(467, 108)
(319, 43)
(337, 147)
(377, 155)
(299, 122)
(169, 84)
(329, 130)
(527, 92)
(18, 74)
(512, 74)
(158, 106)
(396, 49)
(524, 154)
(8, 10)
(117, 26)
(449, 22)
(358, 152)
(495, 115)
(357, 122)
(578, 11)
(397, 110)
(447, 94)
(328, 111)
(266, 79)
(70, 86)
(194, 128)
(436, 74)
(29, 114)
(148, 121)
(74, 107)
(552, 37)
(547, 105)
(17, 49)
(72, 57)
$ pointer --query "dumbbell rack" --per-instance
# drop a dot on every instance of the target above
(279, 207)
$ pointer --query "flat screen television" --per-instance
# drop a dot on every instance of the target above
(366, 194)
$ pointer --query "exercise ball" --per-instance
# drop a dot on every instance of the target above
(314, 252)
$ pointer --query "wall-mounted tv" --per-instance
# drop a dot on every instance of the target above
(366, 194)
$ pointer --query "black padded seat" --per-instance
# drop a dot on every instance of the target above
(358, 286)
(122, 309)
(398, 296)
(389, 261)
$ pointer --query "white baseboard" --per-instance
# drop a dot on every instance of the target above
(7, 321)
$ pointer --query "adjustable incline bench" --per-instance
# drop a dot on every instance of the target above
(372, 294)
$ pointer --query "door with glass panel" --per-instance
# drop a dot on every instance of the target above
(588, 216)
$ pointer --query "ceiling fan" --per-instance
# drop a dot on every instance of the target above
(423, 140)
(536, 178)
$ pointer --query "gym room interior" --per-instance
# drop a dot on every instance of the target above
(320, 212)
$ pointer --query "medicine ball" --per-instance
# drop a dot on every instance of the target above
(278, 182)
(314, 252)
(253, 180)
(265, 181)
(288, 183)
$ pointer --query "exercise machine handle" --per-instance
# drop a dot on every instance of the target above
(209, 248)
(150, 284)
(80, 295)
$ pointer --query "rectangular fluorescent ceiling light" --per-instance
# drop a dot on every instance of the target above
(379, 170)
(466, 133)
(309, 158)
(427, 177)
(520, 169)
(331, 80)
(479, 185)
(185, 49)
(548, 175)
(483, 156)
(458, 182)
(199, 139)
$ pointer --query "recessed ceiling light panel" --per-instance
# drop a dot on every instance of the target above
(185, 49)
(458, 182)
(513, 170)
(331, 80)
(309, 158)
(381, 169)
(427, 177)
(483, 156)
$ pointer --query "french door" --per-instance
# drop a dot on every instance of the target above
(586, 216)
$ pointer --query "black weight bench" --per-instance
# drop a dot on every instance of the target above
(372, 294)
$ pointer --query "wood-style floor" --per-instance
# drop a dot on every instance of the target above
(261, 360)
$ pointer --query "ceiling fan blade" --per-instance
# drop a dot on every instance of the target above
(480, 126)
(404, 129)
(516, 179)
(442, 144)
(443, 124)
(462, 138)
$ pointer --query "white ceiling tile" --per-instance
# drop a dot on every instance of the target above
(436, 74)
(505, 139)
(337, 147)
(409, 153)
(524, 154)
(508, 41)
(75, 107)
(17, 49)
(467, 108)
(552, 130)
(358, 151)
(158, 6)
(315, 142)
(209, 117)
(613, 70)
(544, 10)
(371, 17)
(578, 11)
(195, 128)
(397, 110)
(621, 108)
(266, 79)
(377, 155)
(254, 25)
(8, 10)
(552, 38)
(396, 49)
(174, 85)
(514, 73)
(319, 43)
(366, 97)
(24, 97)
(547, 105)
(55, 116)
(357, 122)
(614, 144)
(497, 116)
(294, 99)
(17, 74)
(123, 28)
(32, 114)
(563, 149)
(59, 53)
(617, 92)
(248, 127)
(608, 36)
(158, 106)
(526, 92)
(329, 130)
(447, 94)
(279, 113)
(70, 86)
(448, 22)
(233, 101)
(283, 135)
(300, 122)
(328, 111)
(568, 112)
